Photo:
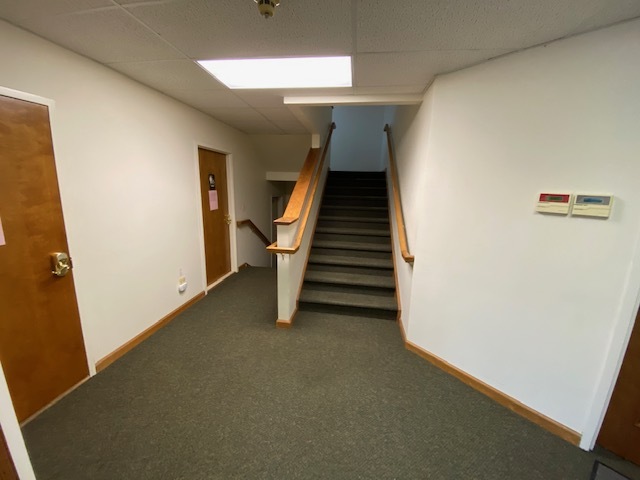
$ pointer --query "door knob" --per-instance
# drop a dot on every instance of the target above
(227, 219)
(60, 264)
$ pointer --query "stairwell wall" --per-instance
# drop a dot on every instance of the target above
(356, 143)
(291, 267)
(410, 129)
(539, 307)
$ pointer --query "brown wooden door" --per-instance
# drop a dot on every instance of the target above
(215, 213)
(41, 344)
(620, 431)
(7, 468)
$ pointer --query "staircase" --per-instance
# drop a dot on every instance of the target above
(350, 267)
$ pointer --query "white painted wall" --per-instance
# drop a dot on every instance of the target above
(356, 144)
(537, 306)
(291, 267)
(316, 120)
(128, 173)
(282, 153)
(410, 128)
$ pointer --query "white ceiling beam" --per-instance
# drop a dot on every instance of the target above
(412, 99)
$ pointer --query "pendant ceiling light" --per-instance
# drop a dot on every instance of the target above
(267, 7)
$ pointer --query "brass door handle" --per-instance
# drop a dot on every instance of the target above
(60, 264)
(227, 219)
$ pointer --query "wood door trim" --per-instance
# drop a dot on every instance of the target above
(502, 398)
(54, 401)
(222, 279)
(141, 337)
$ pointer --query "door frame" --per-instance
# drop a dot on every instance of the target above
(620, 334)
(233, 246)
(53, 126)
(8, 419)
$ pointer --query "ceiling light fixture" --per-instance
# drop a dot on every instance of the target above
(263, 73)
(267, 7)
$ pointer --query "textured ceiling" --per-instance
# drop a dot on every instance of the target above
(397, 45)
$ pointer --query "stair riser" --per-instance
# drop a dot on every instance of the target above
(354, 175)
(354, 231)
(356, 214)
(352, 262)
(329, 201)
(368, 281)
(340, 301)
(356, 191)
(350, 224)
(384, 274)
(347, 246)
(343, 182)
(351, 246)
(350, 268)
(380, 222)
(346, 311)
(355, 242)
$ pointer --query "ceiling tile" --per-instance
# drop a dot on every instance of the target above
(259, 128)
(401, 44)
(403, 25)
(107, 35)
(167, 75)
(247, 120)
(203, 29)
(246, 113)
(282, 117)
(14, 11)
(418, 68)
(206, 100)
(261, 98)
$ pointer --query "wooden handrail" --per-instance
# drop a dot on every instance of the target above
(402, 234)
(254, 229)
(308, 197)
(299, 194)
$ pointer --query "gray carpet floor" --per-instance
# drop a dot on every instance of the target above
(221, 394)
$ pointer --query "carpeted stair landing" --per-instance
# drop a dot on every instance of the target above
(350, 267)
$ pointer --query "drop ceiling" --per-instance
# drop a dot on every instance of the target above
(397, 46)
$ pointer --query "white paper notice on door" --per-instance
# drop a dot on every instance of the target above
(213, 200)
(2, 242)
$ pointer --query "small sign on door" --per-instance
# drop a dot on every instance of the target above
(213, 200)
(213, 193)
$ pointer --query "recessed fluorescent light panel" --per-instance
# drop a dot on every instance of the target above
(307, 72)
